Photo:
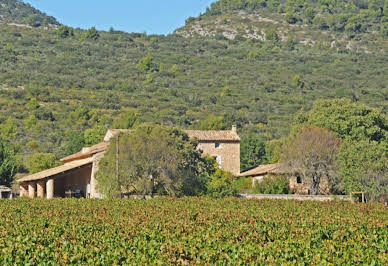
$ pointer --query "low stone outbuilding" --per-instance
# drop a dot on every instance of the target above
(297, 184)
(77, 176)
(5, 192)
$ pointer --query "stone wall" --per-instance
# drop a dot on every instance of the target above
(296, 197)
(228, 151)
(303, 187)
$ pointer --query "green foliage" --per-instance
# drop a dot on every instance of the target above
(349, 120)
(201, 231)
(33, 104)
(363, 166)
(220, 184)
(243, 184)
(91, 34)
(76, 142)
(8, 164)
(102, 75)
(272, 35)
(252, 152)
(152, 159)
(126, 120)
(147, 64)
(14, 11)
(212, 122)
(273, 185)
(384, 30)
(9, 129)
(41, 161)
(94, 135)
(362, 159)
(297, 81)
(65, 31)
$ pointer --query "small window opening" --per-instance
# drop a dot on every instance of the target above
(218, 145)
(298, 179)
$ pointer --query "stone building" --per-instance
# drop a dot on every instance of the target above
(297, 184)
(76, 177)
(5, 192)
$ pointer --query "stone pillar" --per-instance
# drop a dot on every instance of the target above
(93, 181)
(31, 190)
(40, 188)
(23, 190)
(50, 189)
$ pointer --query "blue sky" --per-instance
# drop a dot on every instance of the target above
(151, 16)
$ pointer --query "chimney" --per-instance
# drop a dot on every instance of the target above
(234, 128)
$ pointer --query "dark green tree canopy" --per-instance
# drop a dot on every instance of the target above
(349, 120)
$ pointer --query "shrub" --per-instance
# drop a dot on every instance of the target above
(273, 185)
(220, 184)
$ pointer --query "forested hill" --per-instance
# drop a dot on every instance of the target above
(60, 88)
(346, 24)
(19, 13)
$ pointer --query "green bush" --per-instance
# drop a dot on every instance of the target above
(220, 184)
(273, 185)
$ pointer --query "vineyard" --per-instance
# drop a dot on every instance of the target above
(191, 231)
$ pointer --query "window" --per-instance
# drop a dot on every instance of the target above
(218, 145)
(219, 161)
(298, 179)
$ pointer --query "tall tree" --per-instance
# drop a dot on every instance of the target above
(152, 159)
(311, 153)
(252, 152)
(8, 164)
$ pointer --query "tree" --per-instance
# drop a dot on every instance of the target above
(90, 34)
(41, 161)
(9, 129)
(75, 142)
(311, 153)
(147, 64)
(152, 159)
(64, 31)
(126, 120)
(94, 135)
(212, 122)
(349, 120)
(252, 152)
(363, 166)
(8, 164)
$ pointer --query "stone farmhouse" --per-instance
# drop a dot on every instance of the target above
(76, 177)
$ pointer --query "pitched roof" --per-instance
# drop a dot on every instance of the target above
(201, 135)
(262, 170)
(87, 152)
(205, 135)
(213, 135)
(57, 170)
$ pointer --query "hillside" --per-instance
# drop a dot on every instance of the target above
(18, 13)
(354, 25)
(55, 84)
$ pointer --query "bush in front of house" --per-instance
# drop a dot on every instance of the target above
(220, 184)
(273, 185)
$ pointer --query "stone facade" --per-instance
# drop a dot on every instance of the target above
(226, 153)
